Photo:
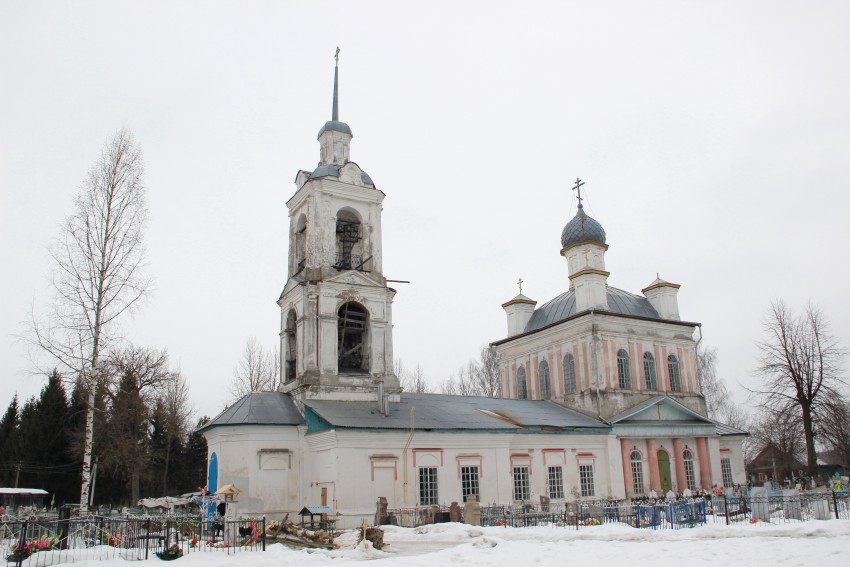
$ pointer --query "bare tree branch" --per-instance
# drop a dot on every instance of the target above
(257, 370)
(800, 366)
(98, 261)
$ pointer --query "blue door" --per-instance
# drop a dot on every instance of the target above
(212, 478)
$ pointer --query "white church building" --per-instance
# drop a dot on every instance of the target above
(600, 391)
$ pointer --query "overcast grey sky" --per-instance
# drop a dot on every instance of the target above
(713, 137)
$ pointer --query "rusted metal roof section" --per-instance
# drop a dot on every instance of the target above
(446, 413)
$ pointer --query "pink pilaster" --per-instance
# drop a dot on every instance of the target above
(627, 466)
(681, 479)
(652, 455)
(704, 464)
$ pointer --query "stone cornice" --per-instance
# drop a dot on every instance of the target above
(660, 284)
(588, 271)
(515, 301)
(597, 244)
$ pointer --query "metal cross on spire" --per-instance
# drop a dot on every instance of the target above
(336, 55)
(577, 188)
(519, 283)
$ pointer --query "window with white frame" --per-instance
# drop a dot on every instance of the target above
(623, 371)
(673, 368)
(521, 384)
(688, 459)
(428, 486)
(726, 471)
(522, 483)
(543, 374)
(555, 480)
(649, 371)
(469, 482)
(585, 474)
(569, 374)
(638, 486)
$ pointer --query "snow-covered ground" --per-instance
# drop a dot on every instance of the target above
(823, 544)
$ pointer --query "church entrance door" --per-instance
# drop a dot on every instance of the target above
(664, 471)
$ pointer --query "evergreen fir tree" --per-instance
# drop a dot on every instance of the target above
(9, 456)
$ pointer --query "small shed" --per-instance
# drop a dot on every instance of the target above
(313, 511)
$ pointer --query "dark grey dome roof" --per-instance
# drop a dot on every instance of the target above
(336, 126)
(582, 229)
(564, 306)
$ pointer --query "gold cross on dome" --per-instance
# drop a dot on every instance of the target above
(577, 188)
(519, 283)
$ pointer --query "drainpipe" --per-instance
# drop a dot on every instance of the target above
(404, 454)
(594, 364)
(696, 351)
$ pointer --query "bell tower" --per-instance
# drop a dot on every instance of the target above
(336, 309)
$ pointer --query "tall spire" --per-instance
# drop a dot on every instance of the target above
(335, 113)
(335, 136)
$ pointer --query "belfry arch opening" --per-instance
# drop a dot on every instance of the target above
(300, 243)
(353, 339)
(349, 236)
(291, 354)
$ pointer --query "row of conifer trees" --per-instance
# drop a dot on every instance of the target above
(144, 442)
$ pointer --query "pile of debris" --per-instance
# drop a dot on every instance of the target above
(290, 533)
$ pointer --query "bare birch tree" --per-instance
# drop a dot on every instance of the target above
(477, 378)
(98, 261)
(718, 401)
(257, 370)
(487, 377)
(800, 365)
(411, 380)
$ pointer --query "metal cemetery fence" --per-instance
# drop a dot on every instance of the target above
(43, 541)
(657, 515)
(780, 506)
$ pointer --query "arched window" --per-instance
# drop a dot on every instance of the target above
(637, 473)
(348, 247)
(623, 371)
(352, 335)
(521, 385)
(649, 371)
(543, 374)
(301, 243)
(673, 368)
(291, 345)
(688, 459)
(569, 374)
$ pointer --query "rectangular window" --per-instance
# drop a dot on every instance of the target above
(522, 486)
(428, 486)
(689, 474)
(469, 482)
(556, 483)
(585, 473)
(726, 471)
(637, 477)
